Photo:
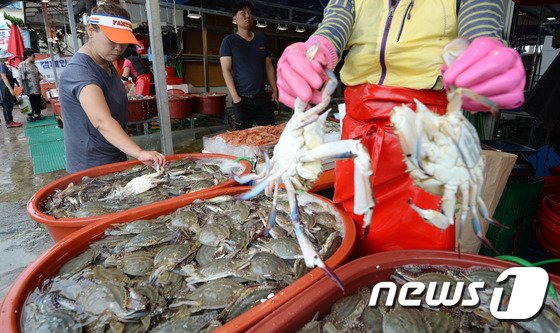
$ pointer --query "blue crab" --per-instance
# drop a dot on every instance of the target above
(297, 164)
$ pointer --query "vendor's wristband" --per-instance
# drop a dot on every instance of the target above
(124, 78)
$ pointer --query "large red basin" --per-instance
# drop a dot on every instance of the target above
(362, 272)
(60, 228)
(50, 262)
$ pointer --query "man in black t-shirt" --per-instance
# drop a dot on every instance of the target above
(247, 69)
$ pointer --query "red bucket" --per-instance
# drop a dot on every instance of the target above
(170, 71)
(211, 104)
(141, 109)
(549, 219)
(142, 48)
(57, 109)
(60, 228)
(53, 259)
(362, 272)
(180, 106)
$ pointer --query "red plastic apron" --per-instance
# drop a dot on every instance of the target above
(394, 226)
(142, 86)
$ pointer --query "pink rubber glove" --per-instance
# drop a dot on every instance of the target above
(300, 77)
(491, 70)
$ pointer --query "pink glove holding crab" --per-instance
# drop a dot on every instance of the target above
(299, 76)
(488, 68)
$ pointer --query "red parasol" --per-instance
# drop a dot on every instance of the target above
(15, 46)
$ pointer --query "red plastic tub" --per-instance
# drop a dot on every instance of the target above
(170, 71)
(50, 262)
(549, 219)
(141, 109)
(211, 104)
(175, 92)
(551, 185)
(60, 228)
(180, 106)
(57, 109)
(365, 271)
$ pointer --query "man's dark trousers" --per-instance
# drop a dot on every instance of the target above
(256, 108)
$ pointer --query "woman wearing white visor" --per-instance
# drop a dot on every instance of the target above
(93, 99)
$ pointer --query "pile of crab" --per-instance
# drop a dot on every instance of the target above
(353, 313)
(193, 270)
(137, 186)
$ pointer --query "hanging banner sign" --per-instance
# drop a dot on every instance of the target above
(45, 66)
(4, 36)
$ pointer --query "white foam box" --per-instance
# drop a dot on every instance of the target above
(217, 145)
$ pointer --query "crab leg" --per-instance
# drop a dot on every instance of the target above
(271, 216)
(483, 210)
(310, 256)
(464, 189)
(363, 197)
(443, 219)
(476, 222)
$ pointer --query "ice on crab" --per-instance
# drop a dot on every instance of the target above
(297, 163)
(443, 157)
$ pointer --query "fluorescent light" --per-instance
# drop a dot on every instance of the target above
(45, 1)
(193, 15)
(300, 29)
(261, 24)
(551, 18)
(282, 27)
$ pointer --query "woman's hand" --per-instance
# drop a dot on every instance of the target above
(490, 69)
(151, 158)
(298, 76)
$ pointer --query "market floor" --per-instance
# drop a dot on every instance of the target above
(21, 239)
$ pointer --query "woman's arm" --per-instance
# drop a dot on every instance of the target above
(478, 18)
(7, 83)
(93, 102)
(126, 72)
(338, 20)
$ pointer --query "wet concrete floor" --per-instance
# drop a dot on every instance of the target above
(21, 239)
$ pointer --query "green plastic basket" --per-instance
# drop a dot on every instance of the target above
(516, 210)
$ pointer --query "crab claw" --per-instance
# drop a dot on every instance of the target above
(310, 256)
(256, 190)
(312, 259)
(478, 231)
(486, 216)
(458, 93)
(247, 178)
(435, 218)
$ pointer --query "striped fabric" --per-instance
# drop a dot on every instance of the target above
(476, 18)
(481, 18)
(338, 19)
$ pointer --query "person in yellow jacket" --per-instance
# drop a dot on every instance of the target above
(394, 56)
